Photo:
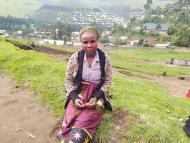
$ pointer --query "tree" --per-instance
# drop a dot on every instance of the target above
(64, 39)
(120, 30)
(171, 30)
(148, 5)
(158, 26)
(182, 36)
(158, 10)
(141, 41)
(97, 26)
(183, 17)
(104, 39)
(183, 3)
(61, 30)
(53, 35)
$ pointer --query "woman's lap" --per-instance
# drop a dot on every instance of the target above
(88, 118)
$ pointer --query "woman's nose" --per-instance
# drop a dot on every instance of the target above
(89, 44)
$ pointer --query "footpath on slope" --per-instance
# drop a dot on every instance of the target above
(23, 119)
(174, 85)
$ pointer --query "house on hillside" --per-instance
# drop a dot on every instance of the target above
(112, 39)
(161, 46)
(151, 41)
(3, 33)
(106, 33)
(123, 38)
(149, 27)
(134, 41)
(162, 29)
(156, 27)
(108, 45)
(75, 36)
(137, 29)
(19, 32)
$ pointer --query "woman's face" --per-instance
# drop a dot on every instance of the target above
(89, 42)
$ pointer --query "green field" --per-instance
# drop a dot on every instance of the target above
(150, 61)
(149, 113)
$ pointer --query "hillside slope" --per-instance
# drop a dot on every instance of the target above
(22, 8)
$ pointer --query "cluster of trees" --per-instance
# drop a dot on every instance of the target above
(180, 35)
(13, 24)
(58, 30)
(179, 31)
(177, 15)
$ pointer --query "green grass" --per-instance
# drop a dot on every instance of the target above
(153, 115)
(65, 48)
(160, 116)
(149, 61)
(36, 70)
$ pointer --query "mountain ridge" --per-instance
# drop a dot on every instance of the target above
(23, 8)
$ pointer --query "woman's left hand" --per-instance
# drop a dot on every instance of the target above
(91, 103)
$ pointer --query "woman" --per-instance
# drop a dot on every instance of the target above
(88, 78)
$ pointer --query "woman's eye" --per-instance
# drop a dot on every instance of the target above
(93, 41)
(85, 42)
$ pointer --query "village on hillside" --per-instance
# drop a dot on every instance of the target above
(149, 28)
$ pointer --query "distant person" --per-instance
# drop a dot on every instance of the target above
(87, 81)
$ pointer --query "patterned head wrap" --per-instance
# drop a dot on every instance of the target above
(89, 29)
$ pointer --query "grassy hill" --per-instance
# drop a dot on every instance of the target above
(49, 13)
(144, 112)
(19, 8)
(22, 8)
(132, 59)
(99, 3)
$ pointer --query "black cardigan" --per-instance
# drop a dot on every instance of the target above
(78, 78)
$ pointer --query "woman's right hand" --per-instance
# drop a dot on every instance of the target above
(79, 103)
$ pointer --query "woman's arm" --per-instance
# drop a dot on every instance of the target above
(70, 83)
(108, 75)
(69, 77)
(103, 92)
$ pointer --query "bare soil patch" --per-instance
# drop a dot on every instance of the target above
(51, 51)
(177, 86)
(23, 118)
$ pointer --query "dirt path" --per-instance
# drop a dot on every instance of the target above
(23, 119)
(175, 86)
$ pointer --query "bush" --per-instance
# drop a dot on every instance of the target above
(21, 45)
(147, 45)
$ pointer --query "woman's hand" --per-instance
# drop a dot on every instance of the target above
(91, 103)
(79, 103)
